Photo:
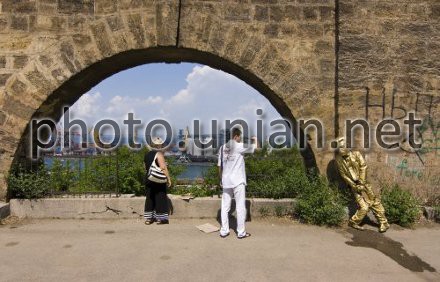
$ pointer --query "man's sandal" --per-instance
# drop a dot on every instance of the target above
(244, 236)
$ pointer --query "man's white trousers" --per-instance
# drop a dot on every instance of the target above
(239, 193)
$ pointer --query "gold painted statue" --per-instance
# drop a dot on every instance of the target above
(353, 169)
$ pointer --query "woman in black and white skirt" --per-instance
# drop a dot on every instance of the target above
(156, 203)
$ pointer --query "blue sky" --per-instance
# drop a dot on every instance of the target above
(177, 93)
(147, 80)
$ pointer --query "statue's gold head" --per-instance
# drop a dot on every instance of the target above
(342, 146)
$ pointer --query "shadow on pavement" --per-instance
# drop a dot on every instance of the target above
(390, 248)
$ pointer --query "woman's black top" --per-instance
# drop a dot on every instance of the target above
(148, 159)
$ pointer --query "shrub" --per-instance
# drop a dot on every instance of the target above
(280, 174)
(279, 211)
(194, 190)
(61, 177)
(400, 206)
(437, 213)
(319, 204)
(96, 174)
(211, 176)
(131, 171)
(26, 184)
(174, 169)
(264, 211)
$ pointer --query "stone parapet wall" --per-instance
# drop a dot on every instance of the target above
(111, 208)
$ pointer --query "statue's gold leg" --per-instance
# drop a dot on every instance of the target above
(362, 211)
(379, 212)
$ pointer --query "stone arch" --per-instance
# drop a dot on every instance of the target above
(71, 90)
(58, 50)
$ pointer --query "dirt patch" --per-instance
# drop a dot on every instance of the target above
(10, 220)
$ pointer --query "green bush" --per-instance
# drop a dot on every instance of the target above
(62, 178)
(319, 204)
(264, 211)
(400, 206)
(175, 170)
(211, 177)
(26, 184)
(193, 190)
(279, 211)
(131, 171)
(437, 213)
(280, 174)
(123, 170)
(95, 174)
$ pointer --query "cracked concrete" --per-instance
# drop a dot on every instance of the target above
(107, 208)
(278, 250)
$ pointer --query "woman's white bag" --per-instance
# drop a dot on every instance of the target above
(155, 173)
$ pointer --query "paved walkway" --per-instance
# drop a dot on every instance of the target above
(279, 250)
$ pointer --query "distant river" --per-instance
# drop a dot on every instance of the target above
(195, 170)
(192, 170)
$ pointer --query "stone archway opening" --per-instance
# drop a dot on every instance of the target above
(71, 90)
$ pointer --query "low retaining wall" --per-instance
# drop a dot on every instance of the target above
(4, 210)
(133, 207)
(431, 214)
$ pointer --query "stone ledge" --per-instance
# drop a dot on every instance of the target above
(128, 206)
(4, 210)
(431, 214)
(123, 207)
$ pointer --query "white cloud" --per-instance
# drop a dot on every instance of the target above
(87, 106)
(153, 100)
(209, 94)
(212, 94)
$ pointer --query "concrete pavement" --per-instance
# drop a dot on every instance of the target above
(279, 250)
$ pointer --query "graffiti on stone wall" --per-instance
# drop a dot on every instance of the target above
(404, 169)
(429, 136)
(424, 106)
(407, 170)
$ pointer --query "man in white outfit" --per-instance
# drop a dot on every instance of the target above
(233, 181)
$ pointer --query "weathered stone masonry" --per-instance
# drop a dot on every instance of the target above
(52, 51)
(393, 49)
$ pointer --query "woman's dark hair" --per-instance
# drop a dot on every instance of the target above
(236, 132)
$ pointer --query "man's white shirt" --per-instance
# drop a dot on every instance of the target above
(233, 172)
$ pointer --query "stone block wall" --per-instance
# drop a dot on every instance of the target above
(310, 58)
(389, 66)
